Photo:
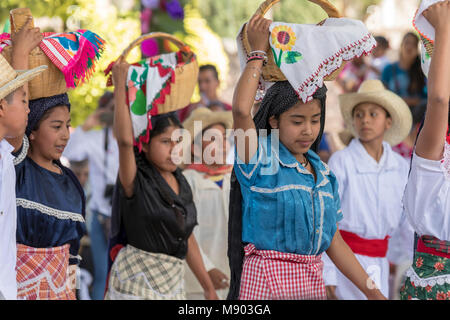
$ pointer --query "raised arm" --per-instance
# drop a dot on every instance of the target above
(430, 143)
(23, 42)
(123, 129)
(245, 92)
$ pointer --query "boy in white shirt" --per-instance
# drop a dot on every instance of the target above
(372, 180)
(13, 121)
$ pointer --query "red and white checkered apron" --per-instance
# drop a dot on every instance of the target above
(42, 273)
(273, 275)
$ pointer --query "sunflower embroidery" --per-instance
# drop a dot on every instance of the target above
(283, 38)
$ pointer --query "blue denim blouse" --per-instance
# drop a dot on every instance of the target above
(283, 207)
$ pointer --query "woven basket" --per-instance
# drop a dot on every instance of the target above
(186, 74)
(271, 72)
(50, 82)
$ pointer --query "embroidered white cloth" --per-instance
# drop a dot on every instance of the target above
(308, 53)
(421, 24)
(148, 73)
(426, 30)
(445, 163)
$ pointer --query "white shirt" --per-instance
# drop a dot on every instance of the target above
(8, 222)
(371, 202)
(379, 64)
(211, 203)
(91, 145)
(427, 198)
(371, 193)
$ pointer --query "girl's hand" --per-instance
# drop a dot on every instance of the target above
(24, 41)
(439, 15)
(258, 33)
(119, 73)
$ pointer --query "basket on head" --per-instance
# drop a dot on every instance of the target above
(50, 82)
(186, 74)
(271, 72)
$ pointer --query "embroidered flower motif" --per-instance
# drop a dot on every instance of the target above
(283, 37)
(428, 288)
(448, 294)
(419, 262)
(409, 297)
(439, 266)
(441, 295)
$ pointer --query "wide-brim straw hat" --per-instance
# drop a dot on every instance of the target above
(207, 118)
(11, 79)
(373, 91)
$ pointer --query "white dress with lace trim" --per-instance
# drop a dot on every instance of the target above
(424, 282)
(445, 163)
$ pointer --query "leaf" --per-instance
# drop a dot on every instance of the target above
(291, 57)
(139, 106)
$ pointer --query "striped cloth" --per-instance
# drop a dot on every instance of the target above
(435, 243)
(272, 275)
(74, 53)
(42, 273)
(140, 275)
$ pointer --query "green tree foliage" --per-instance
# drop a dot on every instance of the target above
(39, 8)
(226, 16)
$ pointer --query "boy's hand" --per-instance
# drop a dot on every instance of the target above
(24, 41)
(258, 33)
(439, 15)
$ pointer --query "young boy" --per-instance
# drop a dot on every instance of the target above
(210, 184)
(13, 121)
(371, 179)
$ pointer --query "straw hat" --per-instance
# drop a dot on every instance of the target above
(11, 79)
(374, 91)
(207, 118)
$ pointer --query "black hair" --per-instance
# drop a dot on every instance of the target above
(46, 115)
(105, 99)
(382, 42)
(416, 76)
(210, 67)
(418, 113)
(78, 164)
(161, 122)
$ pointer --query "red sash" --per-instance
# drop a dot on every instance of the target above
(376, 248)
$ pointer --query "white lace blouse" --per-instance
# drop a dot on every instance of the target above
(427, 196)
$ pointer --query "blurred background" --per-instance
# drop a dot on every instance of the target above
(209, 27)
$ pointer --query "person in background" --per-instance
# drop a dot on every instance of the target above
(208, 83)
(371, 181)
(405, 148)
(405, 77)
(378, 60)
(353, 74)
(81, 171)
(209, 178)
(101, 150)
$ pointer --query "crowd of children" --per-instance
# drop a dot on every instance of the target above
(278, 223)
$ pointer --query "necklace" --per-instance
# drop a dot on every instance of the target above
(306, 162)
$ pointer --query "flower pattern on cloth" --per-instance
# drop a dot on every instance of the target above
(74, 53)
(148, 82)
(427, 279)
(306, 61)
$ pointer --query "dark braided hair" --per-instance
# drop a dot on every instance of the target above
(278, 99)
